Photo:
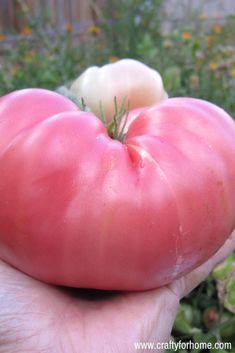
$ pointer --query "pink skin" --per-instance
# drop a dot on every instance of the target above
(80, 209)
(36, 317)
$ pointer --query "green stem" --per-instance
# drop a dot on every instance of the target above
(113, 127)
(120, 113)
(78, 101)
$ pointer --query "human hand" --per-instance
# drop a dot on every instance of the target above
(37, 317)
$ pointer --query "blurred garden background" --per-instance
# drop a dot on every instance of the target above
(191, 43)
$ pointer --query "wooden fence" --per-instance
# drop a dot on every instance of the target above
(60, 13)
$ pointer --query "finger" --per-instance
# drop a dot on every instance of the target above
(188, 282)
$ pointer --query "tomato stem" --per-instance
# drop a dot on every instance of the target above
(102, 114)
(113, 127)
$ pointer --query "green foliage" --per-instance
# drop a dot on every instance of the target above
(206, 60)
(129, 23)
(31, 65)
(225, 269)
(197, 61)
(203, 318)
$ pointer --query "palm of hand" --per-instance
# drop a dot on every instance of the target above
(51, 319)
(36, 317)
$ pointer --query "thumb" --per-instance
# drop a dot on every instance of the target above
(187, 283)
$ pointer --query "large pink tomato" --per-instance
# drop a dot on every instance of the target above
(78, 208)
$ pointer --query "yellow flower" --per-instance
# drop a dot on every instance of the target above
(200, 58)
(2, 37)
(210, 38)
(168, 43)
(100, 46)
(186, 35)
(232, 72)
(213, 66)
(203, 17)
(14, 69)
(26, 30)
(113, 58)
(29, 56)
(217, 28)
(194, 81)
(93, 30)
(68, 28)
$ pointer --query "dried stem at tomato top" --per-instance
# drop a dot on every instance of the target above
(115, 127)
